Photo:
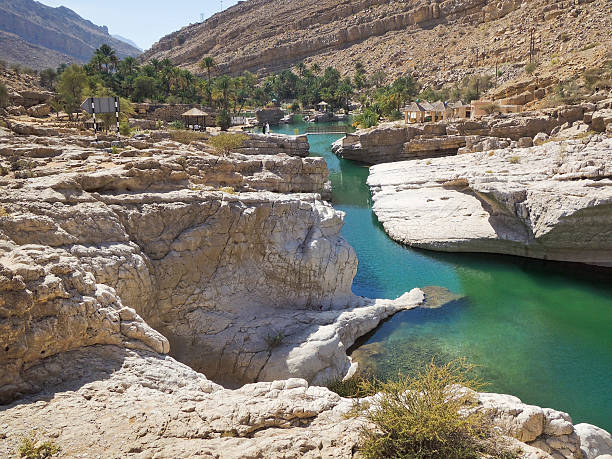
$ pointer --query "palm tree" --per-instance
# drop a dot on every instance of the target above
(108, 55)
(224, 86)
(208, 63)
(301, 68)
(315, 68)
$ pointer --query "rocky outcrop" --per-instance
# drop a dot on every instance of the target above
(594, 442)
(272, 116)
(136, 403)
(51, 35)
(551, 202)
(391, 142)
(234, 260)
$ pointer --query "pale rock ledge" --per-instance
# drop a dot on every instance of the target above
(552, 201)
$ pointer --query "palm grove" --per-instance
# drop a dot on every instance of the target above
(159, 81)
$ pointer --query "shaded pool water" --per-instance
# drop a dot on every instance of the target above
(539, 330)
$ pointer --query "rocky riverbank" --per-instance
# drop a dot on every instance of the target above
(390, 142)
(551, 201)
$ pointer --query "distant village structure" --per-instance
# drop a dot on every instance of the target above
(423, 111)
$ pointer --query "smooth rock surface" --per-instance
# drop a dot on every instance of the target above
(552, 202)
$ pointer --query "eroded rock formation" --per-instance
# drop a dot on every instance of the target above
(552, 201)
(235, 260)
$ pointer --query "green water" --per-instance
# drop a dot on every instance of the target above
(541, 331)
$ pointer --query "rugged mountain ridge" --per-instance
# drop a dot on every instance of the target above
(40, 36)
(437, 40)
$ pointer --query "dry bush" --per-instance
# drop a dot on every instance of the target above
(186, 137)
(421, 417)
(225, 143)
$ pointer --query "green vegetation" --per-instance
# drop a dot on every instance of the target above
(225, 143)
(72, 83)
(531, 67)
(599, 78)
(30, 448)
(366, 119)
(419, 417)
(186, 137)
(275, 340)
(515, 159)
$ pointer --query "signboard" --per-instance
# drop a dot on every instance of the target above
(99, 105)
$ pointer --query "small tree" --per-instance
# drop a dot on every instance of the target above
(70, 88)
(224, 120)
(226, 143)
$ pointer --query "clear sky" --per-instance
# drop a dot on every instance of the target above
(142, 21)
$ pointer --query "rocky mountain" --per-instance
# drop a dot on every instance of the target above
(128, 41)
(438, 41)
(40, 36)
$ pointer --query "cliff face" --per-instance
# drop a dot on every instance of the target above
(41, 36)
(435, 40)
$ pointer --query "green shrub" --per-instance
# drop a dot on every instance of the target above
(275, 340)
(186, 137)
(224, 120)
(367, 119)
(30, 448)
(124, 128)
(418, 417)
(177, 125)
(515, 159)
(225, 143)
(354, 387)
(531, 67)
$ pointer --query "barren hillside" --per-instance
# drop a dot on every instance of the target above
(40, 36)
(438, 41)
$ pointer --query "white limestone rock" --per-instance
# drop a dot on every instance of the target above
(547, 202)
(595, 443)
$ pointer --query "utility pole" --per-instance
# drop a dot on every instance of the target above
(221, 5)
(496, 73)
(531, 46)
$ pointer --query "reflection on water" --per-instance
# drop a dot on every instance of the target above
(538, 330)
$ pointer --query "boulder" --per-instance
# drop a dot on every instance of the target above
(601, 119)
(39, 111)
(540, 138)
(594, 442)
(272, 116)
(525, 142)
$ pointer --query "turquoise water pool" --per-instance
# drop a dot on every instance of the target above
(541, 331)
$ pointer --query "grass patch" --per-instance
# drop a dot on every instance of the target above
(420, 417)
(354, 387)
(515, 159)
(227, 189)
(31, 448)
(4, 212)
